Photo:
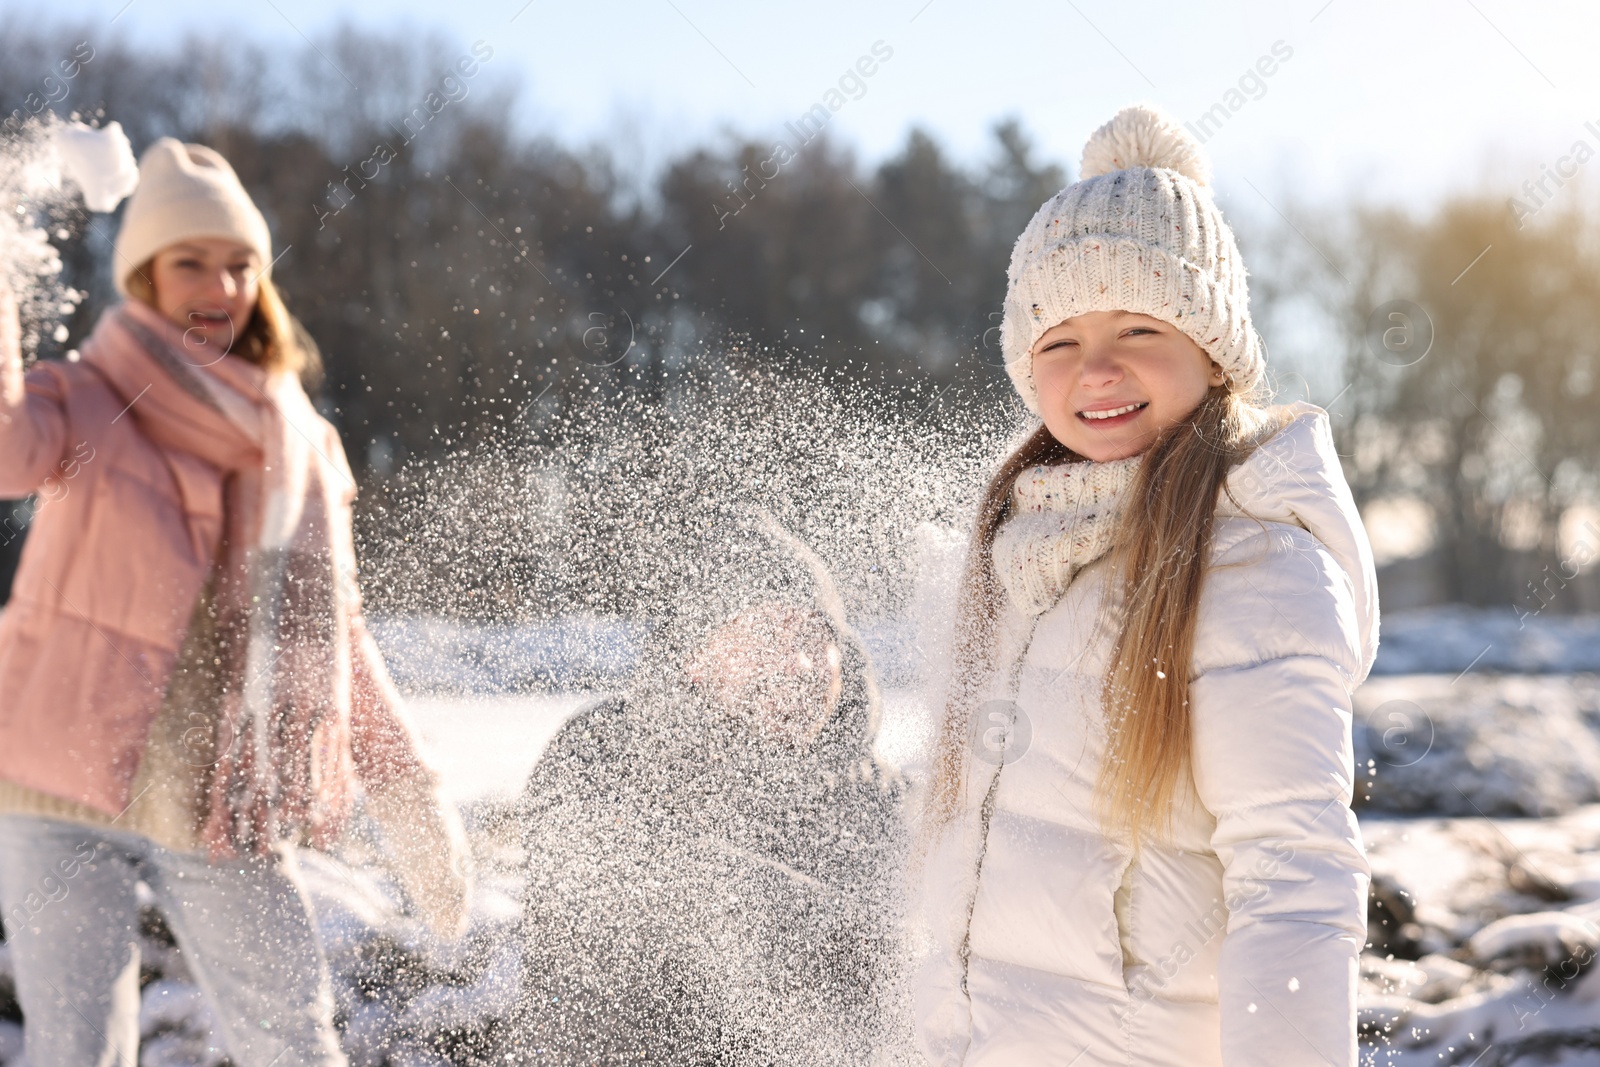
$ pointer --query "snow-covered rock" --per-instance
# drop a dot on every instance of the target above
(1478, 744)
(1431, 979)
(1507, 908)
(1457, 1031)
(1543, 939)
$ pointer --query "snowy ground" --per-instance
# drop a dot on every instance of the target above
(485, 746)
(1485, 925)
(1492, 929)
(1487, 928)
(403, 999)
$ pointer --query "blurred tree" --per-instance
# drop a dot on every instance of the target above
(778, 242)
(925, 221)
(1472, 349)
(477, 287)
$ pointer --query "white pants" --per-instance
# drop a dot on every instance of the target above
(71, 917)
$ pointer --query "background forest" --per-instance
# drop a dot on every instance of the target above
(475, 287)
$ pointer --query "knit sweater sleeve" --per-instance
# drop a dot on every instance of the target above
(1273, 762)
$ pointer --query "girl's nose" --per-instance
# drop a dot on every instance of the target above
(1099, 368)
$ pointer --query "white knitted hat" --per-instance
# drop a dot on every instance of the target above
(1138, 232)
(185, 190)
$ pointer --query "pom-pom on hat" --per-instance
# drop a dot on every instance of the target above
(1139, 231)
(185, 191)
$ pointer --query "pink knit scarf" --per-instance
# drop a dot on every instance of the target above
(285, 589)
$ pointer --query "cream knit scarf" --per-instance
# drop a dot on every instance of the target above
(1062, 519)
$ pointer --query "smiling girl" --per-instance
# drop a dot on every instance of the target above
(1139, 846)
(206, 284)
(190, 687)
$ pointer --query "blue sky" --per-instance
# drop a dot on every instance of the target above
(1399, 101)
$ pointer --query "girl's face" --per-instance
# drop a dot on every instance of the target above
(1110, 381)
(208, 286)
(778, 666)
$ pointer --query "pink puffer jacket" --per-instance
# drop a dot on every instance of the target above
(122, 538)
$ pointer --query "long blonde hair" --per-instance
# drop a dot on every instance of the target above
(273, 339)
(1162, 548)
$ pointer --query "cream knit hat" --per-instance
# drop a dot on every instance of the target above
(185, 190)
(1138, 232)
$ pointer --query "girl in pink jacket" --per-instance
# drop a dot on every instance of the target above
(189, 688)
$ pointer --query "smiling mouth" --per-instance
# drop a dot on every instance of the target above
(1113, 413)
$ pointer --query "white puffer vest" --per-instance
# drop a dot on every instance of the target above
(1238, 943)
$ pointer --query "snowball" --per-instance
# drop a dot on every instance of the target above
(100, 162)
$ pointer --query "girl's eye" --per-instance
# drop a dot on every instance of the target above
(1056, 344)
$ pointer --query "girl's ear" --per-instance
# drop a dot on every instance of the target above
(1218, 375)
